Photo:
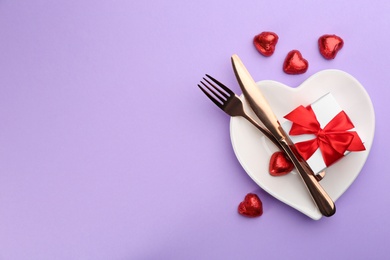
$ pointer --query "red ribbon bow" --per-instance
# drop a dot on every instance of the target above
(334, 140)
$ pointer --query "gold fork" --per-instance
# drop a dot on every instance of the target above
(232, 105)
(229, 102)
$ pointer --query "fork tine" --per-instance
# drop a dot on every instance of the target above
(226, 96)
(218, 103)
(221, 85)
(213, 89)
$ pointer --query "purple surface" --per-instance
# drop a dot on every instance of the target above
(108, 150)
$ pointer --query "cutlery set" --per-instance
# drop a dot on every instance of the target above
(232, 104)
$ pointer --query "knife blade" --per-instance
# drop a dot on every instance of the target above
(264, 112)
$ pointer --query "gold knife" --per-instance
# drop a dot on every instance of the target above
(264, 112)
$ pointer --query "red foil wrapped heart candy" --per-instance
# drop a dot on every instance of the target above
(280, 165)
(265, 43)
(251, 206)
(329, 45)
(295, 63)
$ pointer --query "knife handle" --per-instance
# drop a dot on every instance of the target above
(324, 203)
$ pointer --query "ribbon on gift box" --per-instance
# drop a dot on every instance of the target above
(333, 140)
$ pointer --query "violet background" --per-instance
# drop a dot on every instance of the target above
(108, 150)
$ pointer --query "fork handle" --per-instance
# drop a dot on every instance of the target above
(268, 134)
(323, 201)
(264, 131)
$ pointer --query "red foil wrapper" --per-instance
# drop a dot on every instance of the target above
(265, 43)
(251, 206)
(329, 45)
(295, 63)
(280, 165)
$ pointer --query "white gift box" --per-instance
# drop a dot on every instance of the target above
(325, 109)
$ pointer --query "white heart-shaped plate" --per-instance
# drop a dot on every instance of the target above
(254, 150)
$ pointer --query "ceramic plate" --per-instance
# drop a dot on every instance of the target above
(253, 150)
